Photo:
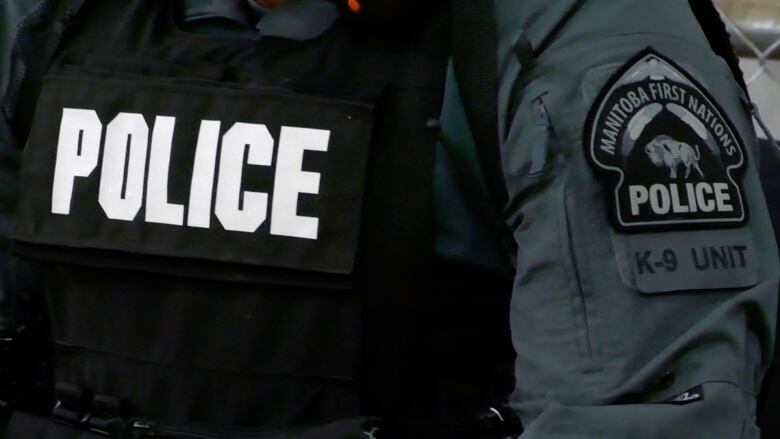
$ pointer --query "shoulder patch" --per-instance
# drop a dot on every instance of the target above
(669, 156)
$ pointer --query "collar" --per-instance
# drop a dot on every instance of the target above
(296, 20)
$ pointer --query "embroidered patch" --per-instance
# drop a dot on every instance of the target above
(668, 154)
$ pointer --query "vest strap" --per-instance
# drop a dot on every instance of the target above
(475, 59)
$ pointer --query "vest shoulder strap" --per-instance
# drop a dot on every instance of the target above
(475, 60)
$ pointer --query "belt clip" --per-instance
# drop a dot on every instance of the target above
(106, 415)
(12, 382)
(499, 422)
(72, 406)
(7, 381)
(100, 414)
(141, 428)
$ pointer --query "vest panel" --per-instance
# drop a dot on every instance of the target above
(224, 218)
(237, 232)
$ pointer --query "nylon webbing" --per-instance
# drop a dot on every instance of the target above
(475, 60)
(30, 88)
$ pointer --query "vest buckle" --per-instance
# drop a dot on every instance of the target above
(81, 409)
(10, 391)
(499, 422)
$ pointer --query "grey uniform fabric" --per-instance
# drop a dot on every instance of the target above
(600, 355)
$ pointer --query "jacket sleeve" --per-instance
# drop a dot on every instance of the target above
(622, 328)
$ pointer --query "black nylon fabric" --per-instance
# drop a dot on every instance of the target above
(29, 89)
(769, 397)
(475, 60)
(24, 425)
(30, 426)
(184, 350)
(476, 63)
(232, 347)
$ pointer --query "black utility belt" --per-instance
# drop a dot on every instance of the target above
(66, 423)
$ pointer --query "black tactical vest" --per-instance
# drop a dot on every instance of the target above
(237, 232)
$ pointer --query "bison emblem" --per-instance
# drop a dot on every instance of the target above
(666, 152)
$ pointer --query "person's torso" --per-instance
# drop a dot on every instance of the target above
(238, 232)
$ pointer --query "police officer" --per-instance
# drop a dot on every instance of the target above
(253, 180)
(189, 275)
(628, 316)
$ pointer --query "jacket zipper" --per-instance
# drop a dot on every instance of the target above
(578, 290)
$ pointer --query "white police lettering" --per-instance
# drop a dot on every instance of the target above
(662, 199)
(202, 187)
(158, 209)
(127, 147)
(124, 162)
(77, 154)
(291, 181)
(228, 208)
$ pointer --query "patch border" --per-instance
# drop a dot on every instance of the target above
(607, 174)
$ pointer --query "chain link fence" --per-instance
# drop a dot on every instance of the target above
(755, 33)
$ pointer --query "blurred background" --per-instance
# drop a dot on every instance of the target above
(755, 32)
